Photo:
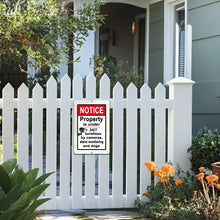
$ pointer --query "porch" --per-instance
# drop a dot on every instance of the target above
(152, 37)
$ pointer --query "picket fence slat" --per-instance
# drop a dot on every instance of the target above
(23, 127)
(65, 143)
(93, 184)
(145, 138)
(77, 201)
(8, 122)
(90, 201)
(131, 143)
(37, 129)
(160, 125)
(103, 182)
(51, 139)
(117, 151)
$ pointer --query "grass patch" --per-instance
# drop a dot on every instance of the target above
(82, 216)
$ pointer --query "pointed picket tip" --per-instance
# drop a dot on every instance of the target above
(118, 91)
(77, 89)
(118, 87)
(160, 87)
(23, 88)
(104, 91)
(65, 87)
(145, 90)
(51, 81)
(160, 90)
(131, 86)
(90, 77)
(37, 89)
(91, 86)
(104, 79)
(8, 87)
(65, 78)
(77, 79)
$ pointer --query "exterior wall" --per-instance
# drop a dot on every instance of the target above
(204, 17)
(156, 44)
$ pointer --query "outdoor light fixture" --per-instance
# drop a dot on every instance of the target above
(133, 27)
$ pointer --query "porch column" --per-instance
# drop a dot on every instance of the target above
(180, 121)
(168, 41)
(83, 68)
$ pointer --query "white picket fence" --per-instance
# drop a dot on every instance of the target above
(110, 190)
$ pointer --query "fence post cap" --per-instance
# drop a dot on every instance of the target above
(180, 80)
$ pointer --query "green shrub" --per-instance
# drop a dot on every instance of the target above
(19, 192)
(117, 71)
(41, 77)
(205, 149)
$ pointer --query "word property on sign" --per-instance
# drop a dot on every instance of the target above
(91, 127)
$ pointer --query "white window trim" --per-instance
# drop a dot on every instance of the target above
(147, 37)
(136, 39)
(169, 40)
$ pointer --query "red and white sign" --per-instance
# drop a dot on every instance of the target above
(91, 127)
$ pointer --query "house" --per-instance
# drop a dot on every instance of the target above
(168, 38)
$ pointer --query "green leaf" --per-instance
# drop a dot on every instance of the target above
(9, 165)
(17, 176)
(19, 204)
(36, 192)
(11, 197)
(5, 182)
(2, 193)
(29, 210)
(33, 215)
(30, 179)
(41, 179)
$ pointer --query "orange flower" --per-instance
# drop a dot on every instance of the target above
(201, 169)
(178, 181)
(168, 169)
(176, 199)
(172, 169)
(145, 193)
(150, 165)
(217, 186)
(157, 173)
(212, 178)
(200, 176)
(163, 180)
(35, 67)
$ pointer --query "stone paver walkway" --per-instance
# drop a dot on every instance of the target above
(97, 215)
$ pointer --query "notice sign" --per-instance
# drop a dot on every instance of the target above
(91, 127)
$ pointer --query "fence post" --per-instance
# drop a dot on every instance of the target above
(180, 121)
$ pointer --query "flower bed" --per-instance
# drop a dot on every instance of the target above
(178, 195)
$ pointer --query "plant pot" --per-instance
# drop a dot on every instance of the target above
(216, 170)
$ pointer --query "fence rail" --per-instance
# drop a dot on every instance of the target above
(97, 181)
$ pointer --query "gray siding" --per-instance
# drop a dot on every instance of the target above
(156, 43)
(204, 17)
